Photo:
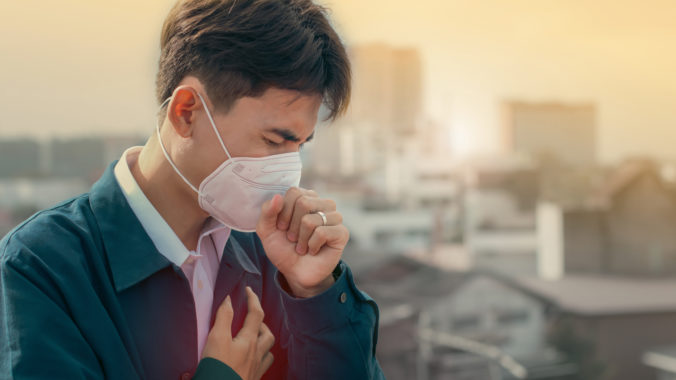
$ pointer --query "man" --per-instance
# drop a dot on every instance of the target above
(196, 255)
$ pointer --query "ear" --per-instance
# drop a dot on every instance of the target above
(181, 110)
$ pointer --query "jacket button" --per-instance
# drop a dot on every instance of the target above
(343, 297)
(186, 376)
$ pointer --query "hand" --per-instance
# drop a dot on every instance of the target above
(298, 244)
(248, 353)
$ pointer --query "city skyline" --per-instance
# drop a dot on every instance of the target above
(90, 70)
(505, 171)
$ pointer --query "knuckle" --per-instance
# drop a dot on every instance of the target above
(339, 218)
(304, 202)
(321, 233)
(306, 221)
(331, 203)
(292, 190)
(258, 311)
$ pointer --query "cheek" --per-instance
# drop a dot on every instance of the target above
(202, 158)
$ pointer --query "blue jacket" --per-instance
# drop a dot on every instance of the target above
(84, 294)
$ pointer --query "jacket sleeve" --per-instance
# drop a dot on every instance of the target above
(214, 369)
(38, 340)
(332, 335)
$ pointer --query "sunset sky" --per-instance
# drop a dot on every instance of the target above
(81, 66)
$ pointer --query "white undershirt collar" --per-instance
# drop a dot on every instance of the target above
(164, 238)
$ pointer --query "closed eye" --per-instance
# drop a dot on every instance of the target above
(271, 143)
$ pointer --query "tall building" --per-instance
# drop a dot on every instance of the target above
(384, 113)
(387, 87)
(562, 132)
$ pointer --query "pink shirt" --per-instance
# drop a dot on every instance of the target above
(201, 267)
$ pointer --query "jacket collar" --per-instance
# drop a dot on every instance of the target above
(131, 253)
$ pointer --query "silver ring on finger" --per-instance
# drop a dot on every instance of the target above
(324, 220)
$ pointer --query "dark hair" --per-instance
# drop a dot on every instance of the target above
(243, 47)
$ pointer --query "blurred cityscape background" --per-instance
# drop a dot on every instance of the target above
(507, 169)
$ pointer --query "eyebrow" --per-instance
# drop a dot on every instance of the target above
(288, 135)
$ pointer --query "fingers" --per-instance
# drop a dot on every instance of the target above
(223, 322)
(307, 205)
(267, 362)
(254, 317)
(269, 213)
(333, 236)
(264, 365)
(308, 224)
(290, 198)
(249, 353)
(265, 340)
(299, 218)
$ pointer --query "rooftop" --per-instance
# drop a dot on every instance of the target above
(598, 295)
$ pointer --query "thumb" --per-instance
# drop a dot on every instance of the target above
(224, 317)
(267, 222)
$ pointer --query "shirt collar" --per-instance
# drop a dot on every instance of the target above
(164, 238)
(134, 256)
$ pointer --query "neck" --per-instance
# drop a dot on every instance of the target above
(173, 199)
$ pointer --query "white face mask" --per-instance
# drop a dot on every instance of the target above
(234, 192)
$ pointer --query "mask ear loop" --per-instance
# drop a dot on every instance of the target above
(213, 125)
(164, 150)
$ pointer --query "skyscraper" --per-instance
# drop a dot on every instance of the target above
(387, 88)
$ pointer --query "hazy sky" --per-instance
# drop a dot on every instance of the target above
(79, 66)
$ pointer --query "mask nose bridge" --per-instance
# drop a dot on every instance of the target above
(277, 167)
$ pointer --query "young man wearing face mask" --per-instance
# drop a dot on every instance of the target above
(197, 255)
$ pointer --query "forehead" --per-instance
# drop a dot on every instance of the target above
(278, 108)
